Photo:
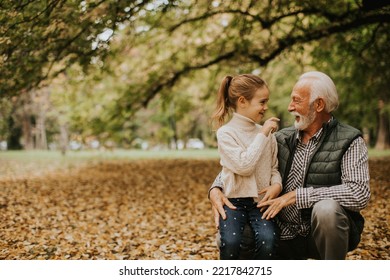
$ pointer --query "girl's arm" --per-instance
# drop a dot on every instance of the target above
(237, 159)
(276, 178)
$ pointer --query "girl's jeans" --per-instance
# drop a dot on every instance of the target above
(231, 229)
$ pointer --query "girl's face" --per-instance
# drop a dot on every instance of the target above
(255, 108)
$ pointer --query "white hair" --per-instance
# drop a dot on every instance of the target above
(321, 86)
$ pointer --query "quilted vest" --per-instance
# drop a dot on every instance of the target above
(324, 167)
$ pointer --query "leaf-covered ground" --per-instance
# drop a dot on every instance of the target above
(145, 209)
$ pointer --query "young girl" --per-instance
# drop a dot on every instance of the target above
(248, 153)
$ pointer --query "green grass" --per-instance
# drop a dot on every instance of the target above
(112, 155)
(26, 163)
(14, 164)
(372, 153)
(128, 155)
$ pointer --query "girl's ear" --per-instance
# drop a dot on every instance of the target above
(241, 102)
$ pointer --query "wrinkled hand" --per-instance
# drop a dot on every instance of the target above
(218, 200)
(275, 205)
(269, 193)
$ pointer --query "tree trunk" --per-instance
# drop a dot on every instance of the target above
(63, 138)
(40, 136)
(27, 120)
(172, 123)
(28, 139)
(42, 106)
(383, 138)
(15, 134)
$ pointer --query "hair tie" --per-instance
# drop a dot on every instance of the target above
(228, 80)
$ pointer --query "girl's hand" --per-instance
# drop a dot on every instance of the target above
(218, 200)
(270, 125)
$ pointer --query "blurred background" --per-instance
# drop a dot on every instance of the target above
(106, 75)
(88, 86)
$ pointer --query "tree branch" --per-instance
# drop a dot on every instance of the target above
(282, 44)
(175, 76)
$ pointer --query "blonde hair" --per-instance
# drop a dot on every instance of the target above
(230, 90)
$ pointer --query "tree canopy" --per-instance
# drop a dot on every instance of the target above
(40, 39)
(107, 63)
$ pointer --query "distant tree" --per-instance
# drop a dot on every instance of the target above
(5, 115)
(40, 39)
(360, 65)
(167, 48)
(197, 35)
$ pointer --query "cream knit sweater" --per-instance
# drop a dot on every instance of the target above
(248, 158)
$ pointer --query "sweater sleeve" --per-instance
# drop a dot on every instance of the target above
(239, 160)
(276, 178)
(216, 184)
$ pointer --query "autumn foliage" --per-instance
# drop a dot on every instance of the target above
(145, 209)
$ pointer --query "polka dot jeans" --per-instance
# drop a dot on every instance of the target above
(231, 229)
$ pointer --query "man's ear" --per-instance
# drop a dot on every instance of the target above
(320, 105)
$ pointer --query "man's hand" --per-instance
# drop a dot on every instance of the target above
(277, 204)
(218, 200)
(269, 193)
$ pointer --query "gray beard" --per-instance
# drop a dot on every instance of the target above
(304, 121)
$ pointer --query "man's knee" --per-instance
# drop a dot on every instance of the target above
(326, 211)
(330, 229)
(329, 215)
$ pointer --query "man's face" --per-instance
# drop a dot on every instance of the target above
(301, 108)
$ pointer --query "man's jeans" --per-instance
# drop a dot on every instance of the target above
(265, 232)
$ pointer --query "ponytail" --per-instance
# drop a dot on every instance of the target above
(229, 92)
(223, 102)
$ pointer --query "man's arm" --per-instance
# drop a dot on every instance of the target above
(274, 206)
(354, 192)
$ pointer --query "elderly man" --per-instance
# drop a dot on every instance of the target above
(324, 167)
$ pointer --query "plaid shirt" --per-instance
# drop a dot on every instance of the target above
(353, 193)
